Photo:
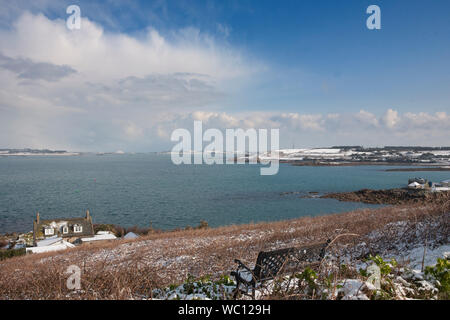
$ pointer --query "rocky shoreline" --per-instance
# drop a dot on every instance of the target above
(418, 169)
(391, 196)
(350, 163)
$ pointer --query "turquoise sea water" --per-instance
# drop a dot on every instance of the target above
(136, 189)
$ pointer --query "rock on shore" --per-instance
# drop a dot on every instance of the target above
(390, 196)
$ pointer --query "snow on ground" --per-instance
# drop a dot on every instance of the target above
(177, 257)
(440, 156)
(352, 289)
(415, 256)
(408, 283)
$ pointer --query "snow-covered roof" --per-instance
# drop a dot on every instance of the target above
(100, 236)
(63, 245)
(104, 232)
(48, 241)
(131, 235)
(414, 184)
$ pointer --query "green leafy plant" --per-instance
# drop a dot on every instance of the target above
(385, 266)
(225, 280)
(308, 276)
(387, 290)
(441, 272)
(189, 285)
(5, 254)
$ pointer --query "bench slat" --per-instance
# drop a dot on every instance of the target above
(271, 263)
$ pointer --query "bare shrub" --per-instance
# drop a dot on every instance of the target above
(130, 269)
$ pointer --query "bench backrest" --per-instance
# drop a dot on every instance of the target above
(270, 263)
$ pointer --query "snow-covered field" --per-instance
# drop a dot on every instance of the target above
(437, 156)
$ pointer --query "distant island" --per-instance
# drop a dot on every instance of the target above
(358, 155)
(36, 152)
(436, 158)
(48, 152)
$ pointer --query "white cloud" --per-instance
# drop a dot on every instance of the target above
(361, 128)
(27, 69)
(391, 118)
(132, 130)
(103, 56)
(93, 90)
(121, 85)
(308, 122)
(427, 121)
(368, 118)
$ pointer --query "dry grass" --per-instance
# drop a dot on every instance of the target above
(128, 269)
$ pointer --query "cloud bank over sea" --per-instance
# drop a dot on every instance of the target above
(95, 89)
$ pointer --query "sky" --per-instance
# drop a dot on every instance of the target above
(137, 70)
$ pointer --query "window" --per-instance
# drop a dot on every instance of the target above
(65, 230)
(77, 228)
(49, 231)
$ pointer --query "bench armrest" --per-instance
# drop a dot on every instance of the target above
(241, 265)
(238, 275)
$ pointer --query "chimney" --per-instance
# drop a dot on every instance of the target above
(88, 216)
(37, 218)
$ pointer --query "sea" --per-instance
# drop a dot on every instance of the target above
(148, 189)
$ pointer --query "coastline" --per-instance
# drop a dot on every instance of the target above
(417, 166)
(391, 196)
(418, 169)
(168, 258)
(397, 196)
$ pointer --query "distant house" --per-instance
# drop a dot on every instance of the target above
(70, 229)
(443, 186)
(421, 181)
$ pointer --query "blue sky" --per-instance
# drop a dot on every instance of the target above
(305, 58)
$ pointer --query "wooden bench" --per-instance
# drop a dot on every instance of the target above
(270, 264)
